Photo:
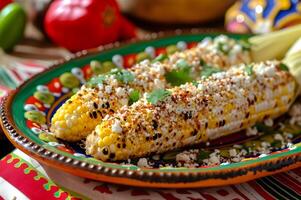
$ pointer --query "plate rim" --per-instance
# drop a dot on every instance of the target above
(71, 165)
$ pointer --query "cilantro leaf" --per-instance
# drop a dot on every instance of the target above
(96, 80)
(209, 70)
(246, 45)
(202, 62)
(204, 154)
(181, 75)
(157, 95)
(249, 70)
(195, 83)
(283, 67)
(221, 47)
(178, 77)
(134, 96)
(122, 75)
(182, 64)
(160, 58)
(261, 127)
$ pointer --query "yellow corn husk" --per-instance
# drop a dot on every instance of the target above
(274, 45)
(217, 106)
(78, 117)
(293, 61)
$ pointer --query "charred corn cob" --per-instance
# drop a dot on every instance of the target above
(78, 116)
(216, 106)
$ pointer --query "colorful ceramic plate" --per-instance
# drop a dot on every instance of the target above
(26, 109)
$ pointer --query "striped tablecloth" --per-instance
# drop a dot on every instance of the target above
(21, 177)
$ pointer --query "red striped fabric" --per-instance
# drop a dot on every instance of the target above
(261, 191)
(27, 180)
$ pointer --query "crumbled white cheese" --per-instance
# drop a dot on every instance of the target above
(236, 49)
(182, 157)
(116, 127)
(278, 136)
(108, 89)
(100, 86)
(158, 84)
(269, 122)
(232, 152)
(124, 101)
(221, 38)
(251, 131)
(157, 66)
(142, 162)
(214, 158)
(120, 92)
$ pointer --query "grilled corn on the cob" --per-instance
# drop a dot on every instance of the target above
(78, 117)
(219, 105)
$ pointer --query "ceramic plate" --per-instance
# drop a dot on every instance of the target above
(26, 131)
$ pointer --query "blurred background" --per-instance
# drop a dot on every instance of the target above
(35, 33)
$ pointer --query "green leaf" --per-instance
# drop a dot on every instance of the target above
(122, 75)
(249, 70)
(283, 67)
(178, 77)
(134, 96)
(276, 144)
(246, 45)
(220, 47)
(96, 80)
(261, 127)
(157, 95)
(202, 62)
(203, 154)
(182, 64)
(181, 75)
(209, 70)
(195, 83)
(160, 58)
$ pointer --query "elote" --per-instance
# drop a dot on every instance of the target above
(78, 117)
(218, 105)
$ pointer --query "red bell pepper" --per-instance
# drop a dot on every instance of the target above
(4, 3)
(78, 24)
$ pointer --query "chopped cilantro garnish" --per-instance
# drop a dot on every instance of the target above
(182, 64)
(181, 75)
(246, 45)
(249, 70)
(157, 95)
(261, 127)
(178, 77)
(283, 67)
(221, 48)
(203, 155)
(209, 70)
(276, 144)
(96, 80)
(134, 96)
(160, 58)
(122, 75)
(202, 62)
(195, 83)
